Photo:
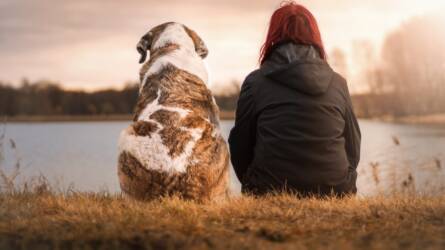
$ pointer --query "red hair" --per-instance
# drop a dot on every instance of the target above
(292, 22)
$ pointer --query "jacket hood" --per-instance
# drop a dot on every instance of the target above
(299, 67)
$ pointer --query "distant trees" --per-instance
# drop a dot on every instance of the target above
(228, 98)
(46, 98)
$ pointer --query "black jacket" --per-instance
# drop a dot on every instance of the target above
(295, 128)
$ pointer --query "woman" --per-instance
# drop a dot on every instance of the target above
(295, 129)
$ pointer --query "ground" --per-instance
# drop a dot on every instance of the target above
(102, 221)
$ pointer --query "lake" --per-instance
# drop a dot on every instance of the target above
(84, 155)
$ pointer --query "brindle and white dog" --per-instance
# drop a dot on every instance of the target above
(174, 145)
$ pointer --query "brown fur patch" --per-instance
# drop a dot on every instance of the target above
(132, 176)
(193, 121)
(144, 128)
(180, 89)
(142, 183)
(185, 90)
(200, 46)
(157, 31)
(148, 95)
(175, 140)
(196, 184)
(165, 117)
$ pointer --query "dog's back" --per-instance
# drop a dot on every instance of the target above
(174, 145)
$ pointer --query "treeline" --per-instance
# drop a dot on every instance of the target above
(46, 98)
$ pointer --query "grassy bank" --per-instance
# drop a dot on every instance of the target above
(102, 221)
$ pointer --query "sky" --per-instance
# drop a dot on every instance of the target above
(90, 44)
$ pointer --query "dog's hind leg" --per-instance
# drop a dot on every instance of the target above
(135, 180)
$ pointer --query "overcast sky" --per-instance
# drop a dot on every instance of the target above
(90, 44)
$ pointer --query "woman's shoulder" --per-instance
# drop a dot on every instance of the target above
(339, 81)
(251, 83)
(254, 79)
(252, 76)
(340, 84)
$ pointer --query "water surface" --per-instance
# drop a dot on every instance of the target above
(84, 154)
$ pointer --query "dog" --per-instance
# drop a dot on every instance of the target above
(174, 145)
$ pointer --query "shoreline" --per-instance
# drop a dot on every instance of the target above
(224, 115)
(430, 120)
(433, 119)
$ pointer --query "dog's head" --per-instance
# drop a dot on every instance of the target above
(170, 33)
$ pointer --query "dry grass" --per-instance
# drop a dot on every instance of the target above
(102, 221)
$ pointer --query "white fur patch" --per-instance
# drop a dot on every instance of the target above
(155, 106)
(150, 151)
(174, 33)
(153, 154)
(184, 58)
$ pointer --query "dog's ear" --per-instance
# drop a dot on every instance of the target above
(144, 45)
(200, 46)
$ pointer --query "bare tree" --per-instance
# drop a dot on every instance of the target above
(338, 61)
(414, 66)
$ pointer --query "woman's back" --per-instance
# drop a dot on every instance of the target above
(295, 113)
(295, 128)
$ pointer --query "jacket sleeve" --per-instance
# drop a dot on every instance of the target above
(242, 136)
(352, 133)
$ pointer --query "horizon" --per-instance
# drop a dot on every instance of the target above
(70, 42)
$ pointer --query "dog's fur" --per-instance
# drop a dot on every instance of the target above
(174, 146)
